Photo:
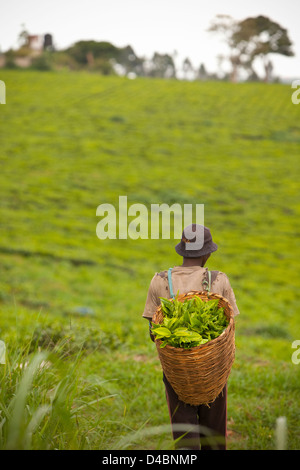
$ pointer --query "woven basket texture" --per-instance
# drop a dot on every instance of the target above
(198, 375)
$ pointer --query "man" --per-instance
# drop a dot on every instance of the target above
(192, 275)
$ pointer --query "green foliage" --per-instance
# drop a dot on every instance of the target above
(69, 341)
(43, 62)
(250, 38)
(190, 323)
(251, 31)
(100, 56)
(80, 49)
(162, 65)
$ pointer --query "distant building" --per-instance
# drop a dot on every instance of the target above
(35, 42)
(33, 47)
(48, 42)
(40, 42)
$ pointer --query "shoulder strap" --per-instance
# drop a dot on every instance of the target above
(211, 277)
(170, 283)
(214, 275)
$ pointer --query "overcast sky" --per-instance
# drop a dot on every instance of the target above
(149, 25)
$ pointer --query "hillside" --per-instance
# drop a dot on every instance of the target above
(72, 141)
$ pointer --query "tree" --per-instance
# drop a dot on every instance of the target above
(202, 73)
(81, 51)
(104, 56)
(162, 66)
(251, 38)
(23, 36)
(187, 68)
(226, 26)
(130, 61)
(259, 37)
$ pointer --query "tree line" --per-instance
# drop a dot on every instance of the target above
(246, 41)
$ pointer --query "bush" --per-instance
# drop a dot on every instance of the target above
(71, 341)
(43, 62)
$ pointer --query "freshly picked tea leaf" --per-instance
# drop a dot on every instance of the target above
(190, 323)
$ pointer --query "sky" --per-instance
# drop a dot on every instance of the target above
(164, 26)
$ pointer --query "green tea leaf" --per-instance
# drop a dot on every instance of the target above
(162, 331)
(190, 323)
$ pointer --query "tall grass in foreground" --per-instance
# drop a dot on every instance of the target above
(43, 406)
(46, 405)
(36, 397)
(42, 400)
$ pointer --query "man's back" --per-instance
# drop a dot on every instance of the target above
(186, 279)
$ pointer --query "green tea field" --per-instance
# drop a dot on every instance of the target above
(81, 371)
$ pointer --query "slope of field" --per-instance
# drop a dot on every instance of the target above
(72, 141)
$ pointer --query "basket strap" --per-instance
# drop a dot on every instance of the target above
(211, 275)
(170, 283)
(207, 283)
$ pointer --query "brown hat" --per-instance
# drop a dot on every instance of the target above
(194, 246)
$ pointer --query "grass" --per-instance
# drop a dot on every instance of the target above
(72, 141)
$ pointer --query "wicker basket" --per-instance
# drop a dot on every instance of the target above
(198, 375)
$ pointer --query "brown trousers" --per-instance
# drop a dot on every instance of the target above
(207, 424)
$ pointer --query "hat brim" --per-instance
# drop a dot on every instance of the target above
(205, 250)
